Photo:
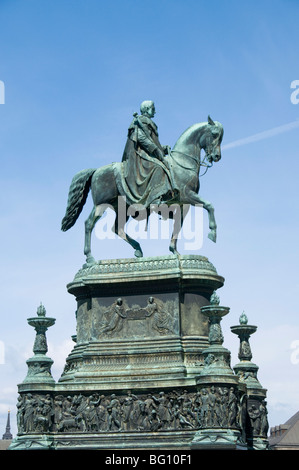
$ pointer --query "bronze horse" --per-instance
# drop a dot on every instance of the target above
(183, 163)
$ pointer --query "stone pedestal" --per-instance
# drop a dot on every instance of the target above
(140, 368)
(257, 426)
(39, 366)
(221, 395)
(139, 322)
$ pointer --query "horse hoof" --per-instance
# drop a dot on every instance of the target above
(212, 236)
(90, 261)
(138, 254)
(174, 251)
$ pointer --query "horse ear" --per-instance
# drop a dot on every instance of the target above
(210, 121)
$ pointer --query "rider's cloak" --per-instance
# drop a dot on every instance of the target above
(144, 178)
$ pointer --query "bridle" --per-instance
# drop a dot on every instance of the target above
(206, 162)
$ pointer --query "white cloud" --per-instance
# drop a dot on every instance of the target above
(262, 135)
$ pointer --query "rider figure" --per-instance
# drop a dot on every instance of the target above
(147, 177)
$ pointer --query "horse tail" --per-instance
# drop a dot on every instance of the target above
(77, 196)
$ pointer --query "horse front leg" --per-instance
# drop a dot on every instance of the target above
(119, 229)
(194, 199)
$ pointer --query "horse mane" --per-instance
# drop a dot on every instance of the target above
(186, 134)
(195, 127)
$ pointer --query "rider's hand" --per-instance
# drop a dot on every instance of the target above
(159, 154)
(166, 149)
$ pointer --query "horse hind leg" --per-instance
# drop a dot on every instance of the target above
(94, 216)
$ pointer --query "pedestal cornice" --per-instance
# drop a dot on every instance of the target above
(166, 272)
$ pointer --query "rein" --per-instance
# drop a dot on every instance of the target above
(198, 163)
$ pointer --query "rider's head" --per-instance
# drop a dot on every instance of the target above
(147, 108)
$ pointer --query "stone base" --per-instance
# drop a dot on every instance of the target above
(132, 380)
(258, 443)
(218, 439)
(139, 322)
(171, 440)
(32, 441)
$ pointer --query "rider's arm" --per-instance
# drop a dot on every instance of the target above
(148, 145)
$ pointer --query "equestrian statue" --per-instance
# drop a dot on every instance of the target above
(149, 177)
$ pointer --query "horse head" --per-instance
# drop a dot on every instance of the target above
(211, 139)
(203, 135)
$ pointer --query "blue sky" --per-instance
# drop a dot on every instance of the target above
(74, 73)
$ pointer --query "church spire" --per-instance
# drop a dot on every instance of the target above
(7, 435)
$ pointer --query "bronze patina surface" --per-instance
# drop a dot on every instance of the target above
(148, 369)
